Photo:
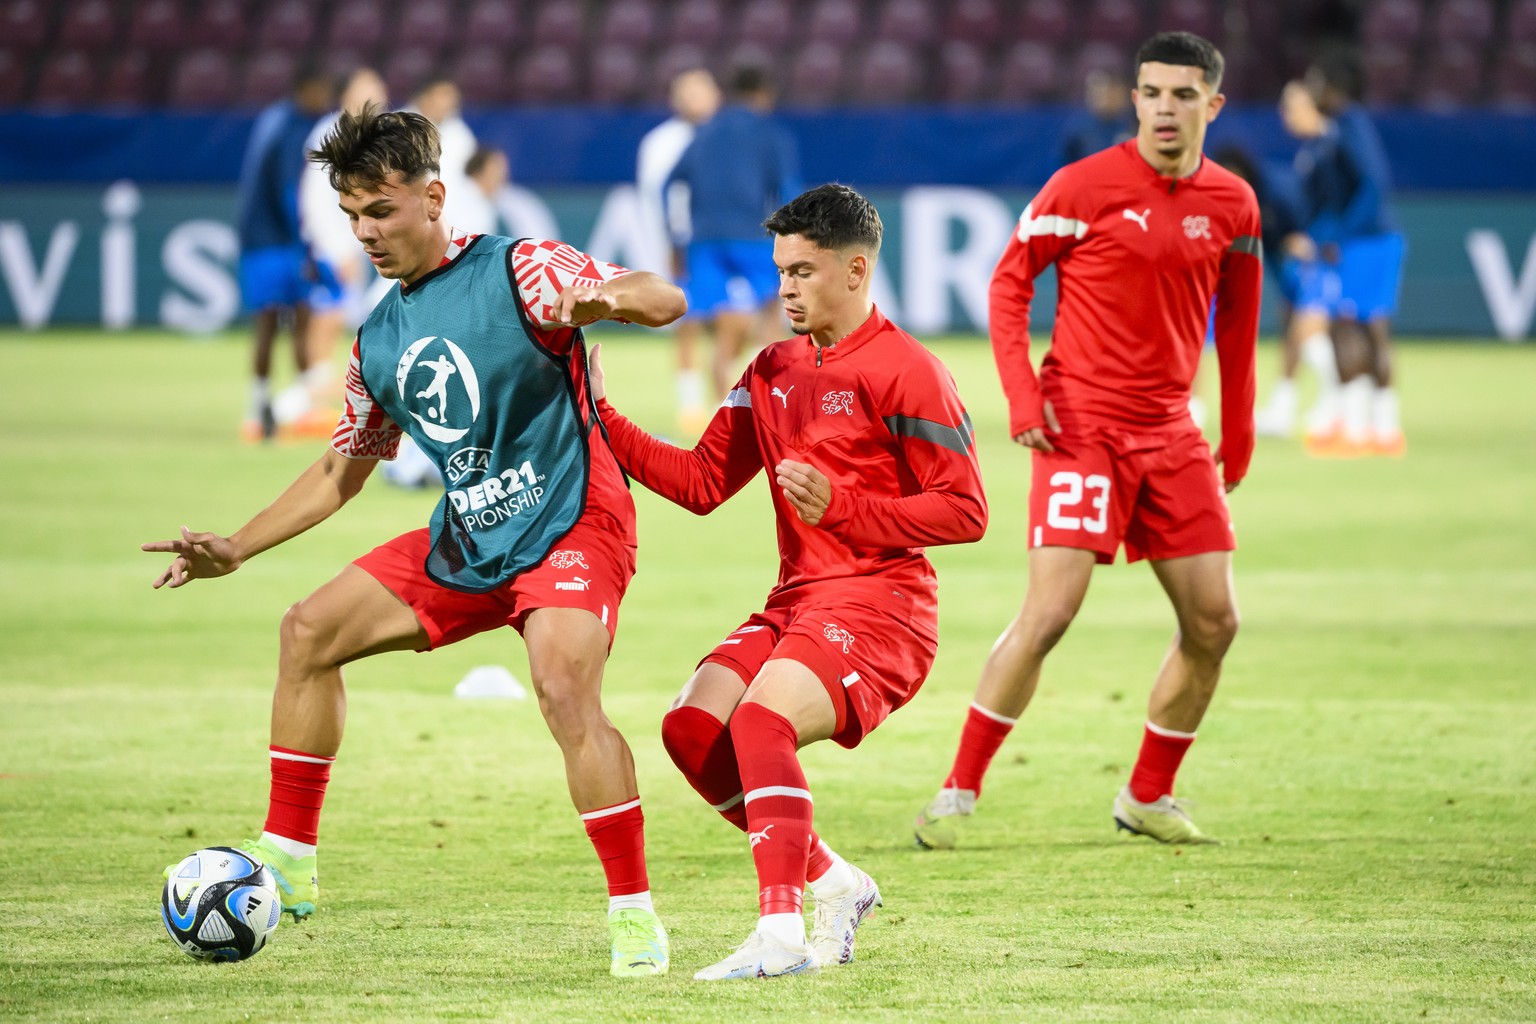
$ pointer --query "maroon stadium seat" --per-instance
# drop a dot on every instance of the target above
(549, 75)
(67, 79)
(88, 25)
(816, 75)
(886, 72)
(628, 21)
(961, 75)
(673, 61)
(1451, 78)
(288, 23)
(221, 24)
(482, 74)
(1393, 21)
(24, 24)
(1463, 21)
(492, 23)
(203, 78)
(267, 77)
(13, 79)
(616, 75)
(1514, 78)
(1114, 21)
(1029, 72)
(1520, 22)
(834, 21)
(699, 21)
(341, 63)
(769, 22)
(1045, 21)
(428, 25)
(356, 25)
(131, 80)
(405, 70)
(1100, 55)
(1387, 73)
(1198, 16)
(907, 21)
(559, 23)
(157, 25)
(974, 21)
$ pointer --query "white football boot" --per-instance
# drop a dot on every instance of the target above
(1162, 819)
(761, 956)
(937, 826)
(838, 916)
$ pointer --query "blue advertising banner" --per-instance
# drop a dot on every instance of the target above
(135, 254)
(1001, 147)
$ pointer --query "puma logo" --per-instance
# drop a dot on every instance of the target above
(758, 837)
(783, 396)
(1139, 218)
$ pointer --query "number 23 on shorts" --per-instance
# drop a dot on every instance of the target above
(1073, 492)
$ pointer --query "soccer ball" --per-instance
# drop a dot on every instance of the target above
(220, 904)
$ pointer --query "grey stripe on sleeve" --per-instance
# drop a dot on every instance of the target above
(957, 439)
(1248, 244)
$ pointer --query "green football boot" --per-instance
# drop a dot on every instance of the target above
(639, 944)
(298, 879)
(1162, 819)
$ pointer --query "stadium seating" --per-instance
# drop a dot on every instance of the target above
(80, 53)
(267, 77)
(701, 22)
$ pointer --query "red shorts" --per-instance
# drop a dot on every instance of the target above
(1160, 495)
(871, 659)
(589, 568)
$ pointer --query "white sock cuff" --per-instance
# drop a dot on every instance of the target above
(732, 802)
(604, 812)
(631, 901)
(984, 712)
(288, 755)
(1172, 734)
(791, 791)
(292, 847)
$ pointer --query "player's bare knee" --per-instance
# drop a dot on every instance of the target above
(570, 706)
(1041, 626)
(302, 636)
(1211, 632)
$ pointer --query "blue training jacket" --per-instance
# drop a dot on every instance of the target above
(1347, 181)
(740, 167)
(269, 177)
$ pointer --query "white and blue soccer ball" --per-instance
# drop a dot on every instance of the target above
(220, 904)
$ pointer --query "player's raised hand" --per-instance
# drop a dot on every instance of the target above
(583, 304)
(1035, 437)
(806, 488)
(198, 556)
(595, 374)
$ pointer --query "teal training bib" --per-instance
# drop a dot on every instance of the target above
(453, 361)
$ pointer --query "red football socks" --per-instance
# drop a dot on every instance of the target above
(983, 734)
(1162, 750)
(298, 790)
(701, 747)
(618, 835)
(778, 806)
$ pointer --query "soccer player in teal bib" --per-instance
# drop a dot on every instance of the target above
(478, 355)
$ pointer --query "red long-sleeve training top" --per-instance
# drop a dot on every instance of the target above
(1139, 258)
(879, 415)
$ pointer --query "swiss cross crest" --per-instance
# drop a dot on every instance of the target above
(834, 402)
(838, 635)
(1197, 227)
(567, 560)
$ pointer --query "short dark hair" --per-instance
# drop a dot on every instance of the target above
(1184, 49)
(833, 216)
(479, 158)
(1339, 73)
(364, 149)
(750, 79)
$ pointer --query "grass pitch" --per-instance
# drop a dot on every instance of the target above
(1370, 759)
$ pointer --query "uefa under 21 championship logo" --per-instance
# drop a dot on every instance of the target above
(428, 394)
